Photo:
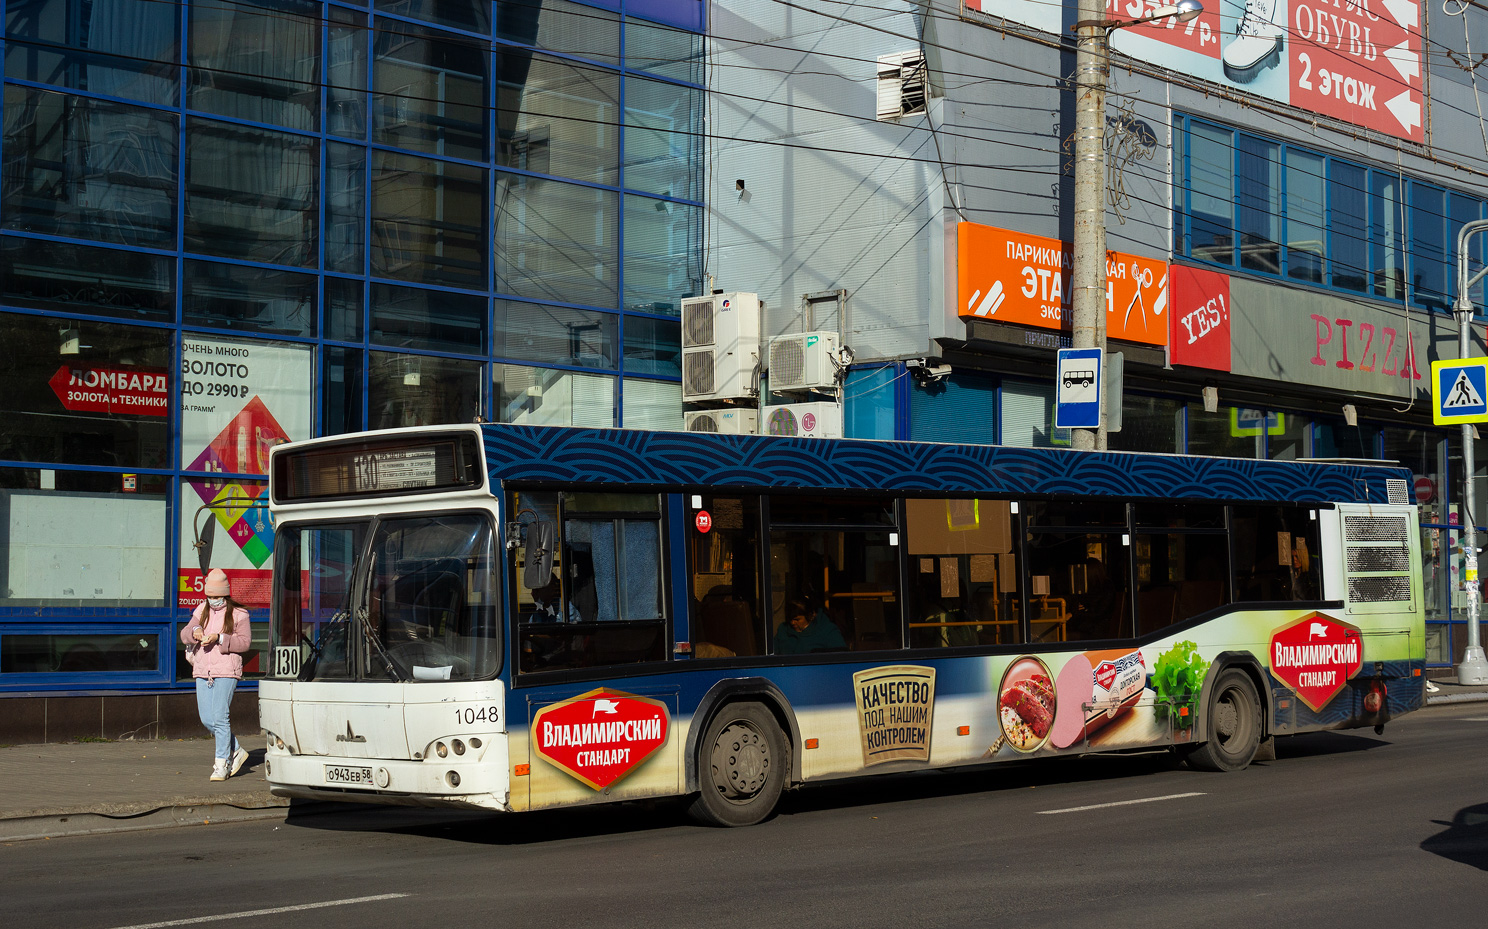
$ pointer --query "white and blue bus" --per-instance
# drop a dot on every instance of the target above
(516, 618)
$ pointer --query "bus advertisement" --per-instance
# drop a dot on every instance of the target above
(517, 618)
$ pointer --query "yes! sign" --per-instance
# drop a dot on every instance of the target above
(601, 736)
(1316, 656)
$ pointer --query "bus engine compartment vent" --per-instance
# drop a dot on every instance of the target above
(1396, 491)
(1376, 528)
(1379, 589)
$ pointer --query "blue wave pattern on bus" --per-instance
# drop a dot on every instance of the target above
(626, 456)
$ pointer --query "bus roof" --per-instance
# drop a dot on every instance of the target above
(539, 454)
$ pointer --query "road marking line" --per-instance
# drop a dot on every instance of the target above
(1101, 806)
(1473, 719)
(269, 912)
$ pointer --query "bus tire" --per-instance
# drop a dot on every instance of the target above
(1234, 725)
(742, 764)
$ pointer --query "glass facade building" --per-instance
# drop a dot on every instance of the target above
(225, 225)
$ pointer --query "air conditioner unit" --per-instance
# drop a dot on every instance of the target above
(812, 420)
(730, 422)
(720, 346)
(803, 361)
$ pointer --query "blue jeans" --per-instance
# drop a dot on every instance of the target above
(212, 700)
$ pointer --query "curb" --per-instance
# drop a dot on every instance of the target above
(60, 825)
(1474, 697)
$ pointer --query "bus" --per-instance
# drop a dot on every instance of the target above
(503, 617)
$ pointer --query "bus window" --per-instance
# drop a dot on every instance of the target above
(1183, 562)
(834, 560)
(1078, 574)
(725, 579)
(1276, 551)
(432, 601)
(963, 587)
(601, 602)
(312, 568)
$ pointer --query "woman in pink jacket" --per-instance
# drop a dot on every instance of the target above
(215, 640)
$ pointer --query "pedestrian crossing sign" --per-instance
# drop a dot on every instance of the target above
(1459, 391)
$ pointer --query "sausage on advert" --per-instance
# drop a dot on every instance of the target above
(1095, 688)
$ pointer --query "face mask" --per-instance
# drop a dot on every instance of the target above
(216, 603)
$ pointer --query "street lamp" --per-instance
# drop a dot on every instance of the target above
(1474, 667)
(1092, 74)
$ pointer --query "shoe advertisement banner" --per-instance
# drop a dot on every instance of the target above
(1357, 62)
(239, 398)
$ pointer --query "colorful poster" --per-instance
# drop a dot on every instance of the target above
(599, 737)
(239, 398)
(1357, 62)
(1013, 277)
(85, 388)
(895, 706)
(1200, 318)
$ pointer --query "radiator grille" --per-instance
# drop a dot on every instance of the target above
(1375, 529)
(1378, 559)
(1379, 589)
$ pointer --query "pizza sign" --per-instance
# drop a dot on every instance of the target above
(1316, 656)
(601, 736)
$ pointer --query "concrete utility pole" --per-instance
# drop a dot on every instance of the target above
(1474, 666)
(1088, 276)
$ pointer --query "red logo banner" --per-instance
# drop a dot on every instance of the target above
(601, 736)
(1316, 656)
(1200, 318)
(86, 389)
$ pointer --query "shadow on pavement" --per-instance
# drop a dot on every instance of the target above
(1465, 839)
(1318, 744)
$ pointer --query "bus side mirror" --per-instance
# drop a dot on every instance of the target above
(542, 540)
(204, 544)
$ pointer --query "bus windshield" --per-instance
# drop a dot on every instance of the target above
(418, 604)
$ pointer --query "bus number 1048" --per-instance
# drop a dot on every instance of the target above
(470, 715)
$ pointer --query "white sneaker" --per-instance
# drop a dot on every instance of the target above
(238, 758)
(219, 770)
(1257, 42)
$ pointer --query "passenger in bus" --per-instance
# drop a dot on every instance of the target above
(805, 630)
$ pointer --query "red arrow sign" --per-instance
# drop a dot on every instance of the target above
(601, 736)
(85, 389)
(1316, 656)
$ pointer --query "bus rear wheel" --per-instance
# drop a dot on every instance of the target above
(1234, 725)
(742, 763)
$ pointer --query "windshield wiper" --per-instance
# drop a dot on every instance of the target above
(376, 645)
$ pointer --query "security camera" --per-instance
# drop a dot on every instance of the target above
(937, 372)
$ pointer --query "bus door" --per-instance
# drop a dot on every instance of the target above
(602, 744)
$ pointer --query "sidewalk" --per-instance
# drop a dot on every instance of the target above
(83, 788)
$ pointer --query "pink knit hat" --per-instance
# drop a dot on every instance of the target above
(216, 585)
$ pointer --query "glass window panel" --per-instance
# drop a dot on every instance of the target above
(1179, 136)
(1428, 255)
(343, 309)
(428, 220)
(556, 334)
(86, 651)
(556, 241)
(1088, 588)
(554, 117)
(1463, 210)
(1027, 416)
(548, 397)
(1275, 553)
(663, 138)
(251, 193)
(429, 91)
(341, 391)
(346, 208)
(834, 511)
(1211, 176)
(421, 390)
(1043, 515)
(1386, 236)
(84, 392)
(1148, 424)
(1286, 436)
(1175, 515)
(964, 577)
(315, 565)
(433, 320)
(1348, 252)
(655, 405)
(653, 346)
(869, 403)
(1304, 197)
(82, 539)
(121, 48)
(258, 61)
(663, 50)
(253, 299)
(88, 168)
(1260, 204)
(560, 26)
(346, 74)
(1179, 576)
(241, 398)
(470, 15)
(237, 532)
(66, 278)
(663, 254)
(834, 590)
(1229, 433)
(725, 580)
(1333, 438)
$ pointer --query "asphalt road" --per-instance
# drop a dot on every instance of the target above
(1344, 829)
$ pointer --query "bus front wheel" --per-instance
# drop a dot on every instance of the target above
(742, 764)
(1234, 725)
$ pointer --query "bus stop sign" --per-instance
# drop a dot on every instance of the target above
(1078, 388)
(1459, 391)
